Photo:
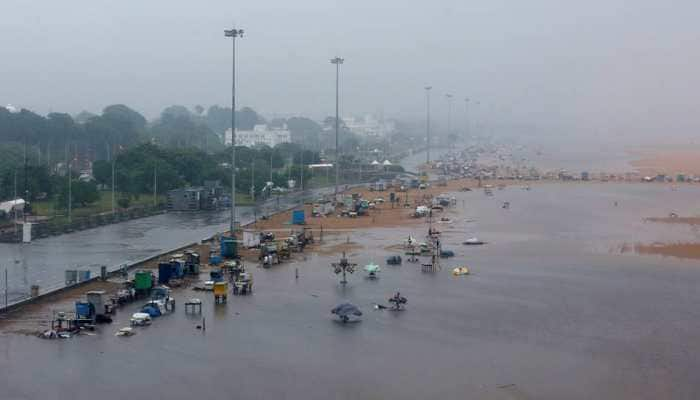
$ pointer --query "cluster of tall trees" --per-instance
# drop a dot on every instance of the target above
(182, 146)
(58, 136)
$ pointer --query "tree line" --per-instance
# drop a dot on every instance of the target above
(182, 146)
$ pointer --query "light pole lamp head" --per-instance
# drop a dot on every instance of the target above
(337, 60)
(428, 87)
(233, 33)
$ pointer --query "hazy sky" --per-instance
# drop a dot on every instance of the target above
(604, 65)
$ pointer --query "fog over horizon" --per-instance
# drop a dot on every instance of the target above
(603, 68)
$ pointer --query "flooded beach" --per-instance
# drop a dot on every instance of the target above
(551, 310)
(280, 201)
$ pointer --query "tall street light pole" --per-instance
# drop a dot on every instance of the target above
(337, 61)
(448, 96)
(427, 123)
(70, 191)
(466, 116)
(233, 34)
(111, 155)
(271, 153)
(155, 185)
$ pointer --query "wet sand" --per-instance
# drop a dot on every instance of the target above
(384, 215)
(678, 250)
(687, 250)
(676, 220)
(670, 161)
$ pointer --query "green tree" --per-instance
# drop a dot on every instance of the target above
(304, 131)
(102, 171)
(178, 127)
(82, 194)
(218, 119)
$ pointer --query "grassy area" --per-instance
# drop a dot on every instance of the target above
(243, 199)
(47, 208)
(320, 181)
(104, 204)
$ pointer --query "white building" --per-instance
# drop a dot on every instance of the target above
(260, 135)
(369, 126)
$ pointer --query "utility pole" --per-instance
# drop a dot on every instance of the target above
(337, 61)
(70, 190)
(252, 181)
(14, 204)
(301, 174)
(5, 287)
(26, 188)
(111, 155)
(233, 34)
(427, 124)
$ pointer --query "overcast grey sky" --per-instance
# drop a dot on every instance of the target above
(607, 65)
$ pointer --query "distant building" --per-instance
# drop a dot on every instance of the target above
(260, 135)
(369, 126)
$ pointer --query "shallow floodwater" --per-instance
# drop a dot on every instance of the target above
(551, 311)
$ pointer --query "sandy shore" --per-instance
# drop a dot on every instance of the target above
(678, 250)
(670, 161)
(689, 250)
(675, 220)
(383, 215)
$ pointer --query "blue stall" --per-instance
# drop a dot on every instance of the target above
(83, 309)
(228, 247)
(165, 272)
(178, 269)
(298, 217)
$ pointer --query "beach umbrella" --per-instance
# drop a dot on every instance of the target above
(372, 268)
(345, 310)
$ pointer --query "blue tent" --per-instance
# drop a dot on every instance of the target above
(153, 311)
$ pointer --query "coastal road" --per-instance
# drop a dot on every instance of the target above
(44, 261)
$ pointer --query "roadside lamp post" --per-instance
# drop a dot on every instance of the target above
(233, 34)
(466, 116)
(337, 61)
(344, 266)
(427, 123)
(448, 96)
